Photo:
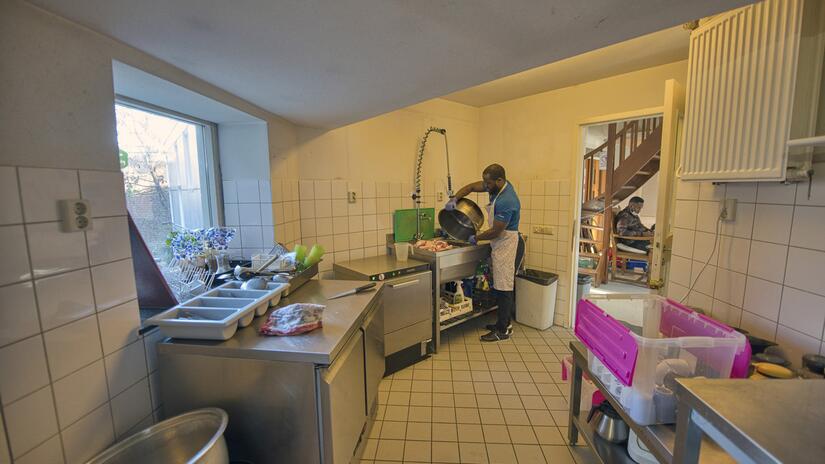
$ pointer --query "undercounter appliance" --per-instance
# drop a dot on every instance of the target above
(408, 305)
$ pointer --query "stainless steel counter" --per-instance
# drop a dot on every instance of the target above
(342, 318)
(755, 421)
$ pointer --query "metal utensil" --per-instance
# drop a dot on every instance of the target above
(608, 424)
(462, 222)
(360, 289)
(255, 283)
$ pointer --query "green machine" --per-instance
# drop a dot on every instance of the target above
(404, 224)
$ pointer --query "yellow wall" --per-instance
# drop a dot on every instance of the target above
(536, 137)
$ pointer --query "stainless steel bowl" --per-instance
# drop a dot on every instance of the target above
(192, 437)
(462, 222)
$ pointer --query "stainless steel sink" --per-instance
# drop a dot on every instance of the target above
(192, 437)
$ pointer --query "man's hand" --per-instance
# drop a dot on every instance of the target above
(451, 204)
(472, 240)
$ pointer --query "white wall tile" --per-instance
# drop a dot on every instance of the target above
(278, 212)
(728, 314)
(308, 228)
(795, 344)
(772, 223)
(64, 298)
(18, 313)
(730, 287)
(50, 452)
(268, 236)
(339, 189)
(774, 192)
(356, 240)
(710, 192)
(701, 301)
(685, 214)
(80, 393)
(125, 367)
(327, 242)
(368, 189)
(43, 188)
(119, 326)
(104, 190)
(395, 190)
(24, 369)
(805, 268)
(339, 208)
(10, 209)
(733, 254)
(265, 191)
(383, 205)
(248, 191)
(230, 191)
(767, 261)
(687, 190)
(803, 312)
(382, 189)
(231, 215)
(89, 436)
(742, 226)
(114, 283)
(307, 209)
(703, 247)
(53, 250)
(323, 190)
(267, 218)
(293, 189)
(707, 216)
(249, 214)
(356, 223)
(30, 421)
(109, 240)
(251, 236)
(808, 224)
(276, 185)
(341, 242)
(15, 259)
(340, 225)
(72, 346)
(323, 208)
(356, 208)
(306, 189)
(759, 326)
(323, 226)
(703, 277)
(131, 406)
(763, 298)
(357, 187)
(743, 192)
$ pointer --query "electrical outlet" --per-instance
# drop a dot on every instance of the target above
(76, 215)
(544, 230)
(351, 197)
(728, 212)
(439, 196)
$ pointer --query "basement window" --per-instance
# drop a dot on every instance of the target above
(168, 161)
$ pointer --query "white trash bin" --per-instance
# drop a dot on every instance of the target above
(536, 298)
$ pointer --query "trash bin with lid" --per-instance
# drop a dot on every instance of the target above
(583, 286)
(536, 298)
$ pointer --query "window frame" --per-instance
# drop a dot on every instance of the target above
(208, 155)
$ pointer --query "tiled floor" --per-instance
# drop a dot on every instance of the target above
(499, 402)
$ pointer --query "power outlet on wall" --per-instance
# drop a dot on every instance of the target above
(75, 215)
(439, 196)
(728, 212)
(351, 197)
(544, 230)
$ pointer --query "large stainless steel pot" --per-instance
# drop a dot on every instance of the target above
(462, 222)
(194, 437)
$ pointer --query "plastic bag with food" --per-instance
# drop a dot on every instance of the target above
(294, 319)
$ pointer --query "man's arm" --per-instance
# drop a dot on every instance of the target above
(493, 232)
(623, 227)
(470, 188)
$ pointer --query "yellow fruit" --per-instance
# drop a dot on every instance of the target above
(774, 370)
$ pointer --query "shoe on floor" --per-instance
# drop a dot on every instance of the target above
(494, 336)
(492, 327)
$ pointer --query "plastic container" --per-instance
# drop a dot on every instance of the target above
(583, 283)
(637, 344)
(402, 251)
(536, 298)
(274, 291)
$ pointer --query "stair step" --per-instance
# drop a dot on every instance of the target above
(587, 270)
(588, 226)
(589, 255)
(590, 240)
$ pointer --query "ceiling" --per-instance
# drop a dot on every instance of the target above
(654, 49)
(328, 63)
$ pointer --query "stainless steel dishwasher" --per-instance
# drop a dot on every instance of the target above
(407, 301)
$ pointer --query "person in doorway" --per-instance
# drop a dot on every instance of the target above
(628, 224)
(507, 245)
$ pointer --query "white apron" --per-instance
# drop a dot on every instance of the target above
(504, 251)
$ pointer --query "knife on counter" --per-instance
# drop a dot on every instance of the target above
(360, 289)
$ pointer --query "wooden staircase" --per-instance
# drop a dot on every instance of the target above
(631, 157)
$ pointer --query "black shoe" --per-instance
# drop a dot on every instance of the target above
(493, 327)
(494, 336)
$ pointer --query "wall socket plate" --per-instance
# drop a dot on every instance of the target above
(439, 196)
(75, 215)
(351, 197)
(728, 210)
(544, 230)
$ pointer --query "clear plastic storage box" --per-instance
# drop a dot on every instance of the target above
(639, 344)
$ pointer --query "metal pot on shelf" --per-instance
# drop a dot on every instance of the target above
(462, 222)
(608, 424)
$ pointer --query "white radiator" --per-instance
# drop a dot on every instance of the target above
(740, 88)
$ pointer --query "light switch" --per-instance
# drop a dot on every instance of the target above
(75, 215)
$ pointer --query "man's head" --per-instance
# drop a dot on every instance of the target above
(494, 178)
(635, 204)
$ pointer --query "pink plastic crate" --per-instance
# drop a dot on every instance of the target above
(665, 337)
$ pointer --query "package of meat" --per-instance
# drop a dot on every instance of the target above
(294, 319)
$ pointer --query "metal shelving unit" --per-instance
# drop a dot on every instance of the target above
(465, 317)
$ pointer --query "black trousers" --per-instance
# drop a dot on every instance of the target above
(506, 300)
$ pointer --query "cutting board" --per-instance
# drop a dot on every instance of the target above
(403, 224)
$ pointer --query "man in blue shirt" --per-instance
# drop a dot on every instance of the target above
(503, 213)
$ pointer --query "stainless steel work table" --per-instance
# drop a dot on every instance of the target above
(659, 439)
(342, 317)
(770, 421)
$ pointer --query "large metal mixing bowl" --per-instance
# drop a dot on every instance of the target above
(462, 222)
(192, 437)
